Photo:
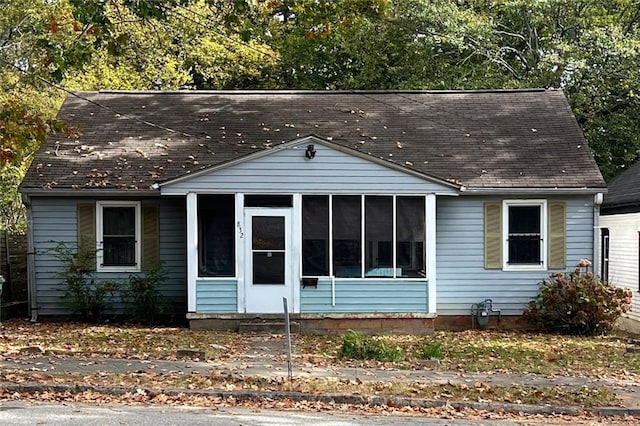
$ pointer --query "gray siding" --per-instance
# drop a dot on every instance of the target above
(462, 279)
(54, 221)
(287, 170)
(623, 255)
(366, 295)
(217, 296)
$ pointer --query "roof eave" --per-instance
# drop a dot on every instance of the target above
(534, 190)
(39, 192)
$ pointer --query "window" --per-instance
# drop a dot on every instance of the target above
(347, 236)
(385, 234)
(604, 254)
(118, 231)
(315, 235)
(410, 236)
(524, 222)
(216, 236)
(378, 225)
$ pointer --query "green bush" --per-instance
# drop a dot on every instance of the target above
(430, 350)
(143, 301)
(577, 304)
(357, 346)
(82, 294)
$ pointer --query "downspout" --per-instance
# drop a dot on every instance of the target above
(597, 201)
(31, 262)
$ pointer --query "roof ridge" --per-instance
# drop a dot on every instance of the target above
(317, 92)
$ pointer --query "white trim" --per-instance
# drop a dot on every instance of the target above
(192, 250)
(296, 250)
(363, 238)
(394, 239)
(331, 238)
(100, 236)
(240, 253)
(543, 235)
(430, 252)
(532, 191)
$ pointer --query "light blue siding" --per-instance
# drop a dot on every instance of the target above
(366, 295)
(217, 296)
(287, 170)
(462, 279)
(54, 221)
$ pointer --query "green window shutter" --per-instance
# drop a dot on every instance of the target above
(150, 236)
(557, 236)
(86, 235)
(493, 235)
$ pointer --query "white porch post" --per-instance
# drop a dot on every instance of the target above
(296, 250)
(241, 247)
(192, 249)
(431, 252)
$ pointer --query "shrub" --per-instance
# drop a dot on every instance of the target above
(357, 346)
(142, 294)
(82, 294)
(578, 304)
(430, 350)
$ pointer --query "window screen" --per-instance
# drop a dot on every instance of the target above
(347, 236)
(216, 235)
(378, 214)
(410, 236)
(119, 236)
(315, 235)
(524, 235)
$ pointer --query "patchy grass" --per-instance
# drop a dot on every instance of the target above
(117, 341)
(584, 397)
(500, 351)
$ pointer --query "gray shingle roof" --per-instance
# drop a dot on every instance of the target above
(483, 139)
(624, 192)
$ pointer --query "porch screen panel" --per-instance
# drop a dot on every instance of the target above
(410, 236)
(315, 235)
(347, 236)
(378, 224)
(216, 235)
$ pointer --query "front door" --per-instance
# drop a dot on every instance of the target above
(268, 273)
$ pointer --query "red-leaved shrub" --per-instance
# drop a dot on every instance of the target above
(578, 304)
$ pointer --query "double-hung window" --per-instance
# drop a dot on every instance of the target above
(525, 228)
(118, 232)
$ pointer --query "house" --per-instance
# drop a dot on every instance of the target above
(382, 209)
(620, 239)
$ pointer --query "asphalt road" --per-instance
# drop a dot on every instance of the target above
(24, 413)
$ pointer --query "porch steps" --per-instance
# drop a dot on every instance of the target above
(264, 327)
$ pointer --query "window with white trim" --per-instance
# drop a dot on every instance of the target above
(524, 228)
(118, 235)
(356, 236)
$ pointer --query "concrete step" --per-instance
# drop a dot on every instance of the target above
(267, 327)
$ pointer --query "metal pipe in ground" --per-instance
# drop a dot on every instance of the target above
(287, 327)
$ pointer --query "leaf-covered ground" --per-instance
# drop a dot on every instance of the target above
(462, 352)
(480, 392)
(466, 351)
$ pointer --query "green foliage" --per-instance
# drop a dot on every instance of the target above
(143, 300)
(357, 346)
(430, 349)
(577, 304)
(82, 294)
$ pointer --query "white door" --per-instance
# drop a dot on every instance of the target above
(268, 272)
